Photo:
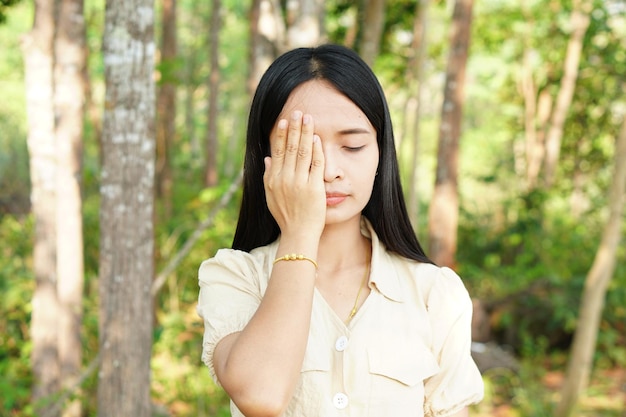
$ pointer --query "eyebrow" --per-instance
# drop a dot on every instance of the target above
(354, 131)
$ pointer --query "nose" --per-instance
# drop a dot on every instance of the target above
(332, 164)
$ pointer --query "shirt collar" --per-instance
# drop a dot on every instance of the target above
(383, 275)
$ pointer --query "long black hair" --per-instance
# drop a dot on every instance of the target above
(350, 75)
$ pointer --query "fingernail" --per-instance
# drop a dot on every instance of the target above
(296, 115)
(306, 119)
(282, 124)
(316, 138)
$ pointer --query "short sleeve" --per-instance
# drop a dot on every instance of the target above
(459, 382)
(230, 293)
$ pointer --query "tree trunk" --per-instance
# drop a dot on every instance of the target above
(69, 97)
(39, 62)
(596, 283)
(166, 106)
(305, 23)
(211, 176)
(537, 110)
(189, 106)
(415, 74)
(579, 24)
(444, 207)
(255, 47)
(267, 37)
(373, 24)
(533, 148)
(126, 212)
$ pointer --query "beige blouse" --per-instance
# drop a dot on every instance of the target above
(405, 353)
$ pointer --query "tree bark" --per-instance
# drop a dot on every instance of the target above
(69, 101)
(352, 29)
(211, 176)
(126, 212)
(166, 106)
(415, 73)
(373, 24)
(267, 38)
(190, 88)
(533, 148)
(579, 23)
(444, 207)
(305, 23)
(38, 53)
(537, 109)
(596, 283)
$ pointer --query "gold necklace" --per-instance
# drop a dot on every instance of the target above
(358, 294)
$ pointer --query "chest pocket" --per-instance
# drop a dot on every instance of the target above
(397, 378)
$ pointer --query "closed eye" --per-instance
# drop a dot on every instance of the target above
(354, 148)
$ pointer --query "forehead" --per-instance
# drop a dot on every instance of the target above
(322, 100)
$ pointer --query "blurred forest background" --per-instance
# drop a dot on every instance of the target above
(537, 187)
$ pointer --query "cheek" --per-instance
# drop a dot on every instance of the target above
(372, 166)
(367, 173)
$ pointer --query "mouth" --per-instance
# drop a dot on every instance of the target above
(333, 199)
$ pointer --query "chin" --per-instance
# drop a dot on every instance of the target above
(339, 218)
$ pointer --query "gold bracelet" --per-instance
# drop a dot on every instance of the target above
(295, 257)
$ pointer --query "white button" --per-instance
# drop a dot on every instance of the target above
(340, 400)
(341, 343)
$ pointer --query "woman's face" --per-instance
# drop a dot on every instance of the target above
(349, 143)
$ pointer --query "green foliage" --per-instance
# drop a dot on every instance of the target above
(531, 271)
(176, 359)
(528, 253)
(4, 6)
(16, 227)
(509, 389)
(14, 175)
(16, 286)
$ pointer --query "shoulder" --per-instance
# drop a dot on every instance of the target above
(434, 283)
(237, 262)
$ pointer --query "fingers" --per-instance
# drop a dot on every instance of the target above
(305, 148)
(292, 145)
(299, 139)
(294, 175)
(317, 160)
(278, 145)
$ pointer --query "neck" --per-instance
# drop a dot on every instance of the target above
(343, 246)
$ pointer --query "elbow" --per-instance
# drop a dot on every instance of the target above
(262, 405)
(261, 394)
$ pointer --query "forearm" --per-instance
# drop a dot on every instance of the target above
(260, 366)
(461, 413)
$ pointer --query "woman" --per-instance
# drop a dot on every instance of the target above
(327, 305)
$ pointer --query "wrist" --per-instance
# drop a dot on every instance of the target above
(296, 257)
(298, 244)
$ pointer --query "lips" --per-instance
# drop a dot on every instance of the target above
(333, 199)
